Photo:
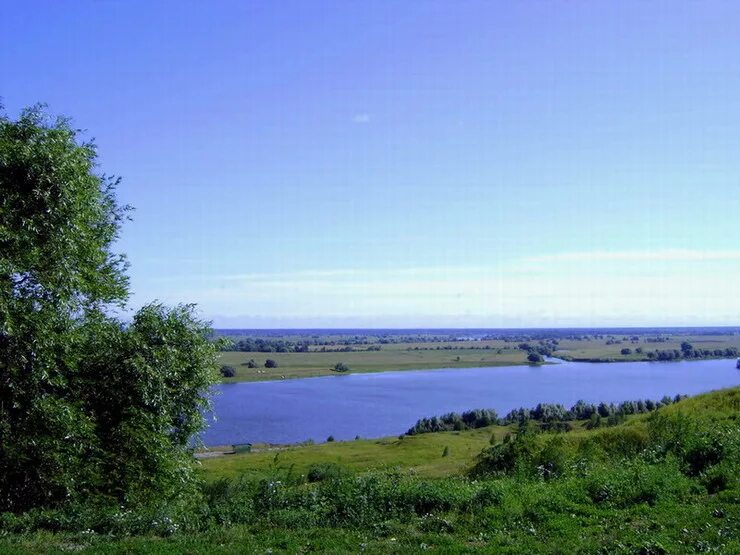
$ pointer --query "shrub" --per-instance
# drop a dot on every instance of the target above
(553, 459)
(505, 457)
(228, 371)
(269, 363)
(619, 442)
(698, 443)
(324, 471)
(341, 367)
(635, 481)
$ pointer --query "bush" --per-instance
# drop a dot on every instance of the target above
(505, 457)
(553, 460)
(341, 367)
(698, 443)
(535, 358)
(626, 351)
(269, 363)
(635, 482)
(619, 442)
(324, 471)
(228, 371)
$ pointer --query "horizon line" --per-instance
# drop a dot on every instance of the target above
(676, 327)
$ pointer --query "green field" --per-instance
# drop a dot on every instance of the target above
(457, 354)
(597, 349)
(392, 357)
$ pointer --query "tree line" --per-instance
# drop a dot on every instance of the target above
(547, 414)
(687, 351)
(260, 345)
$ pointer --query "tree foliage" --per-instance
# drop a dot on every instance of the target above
(341, 367)
(227, 371)
(89, 406)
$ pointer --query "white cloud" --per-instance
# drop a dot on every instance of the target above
(362, 117)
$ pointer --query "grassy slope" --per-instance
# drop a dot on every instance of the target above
(717, 405)
(399, 357)
(422, 453)
(652, 507)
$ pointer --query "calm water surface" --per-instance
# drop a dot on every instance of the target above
(388, 403)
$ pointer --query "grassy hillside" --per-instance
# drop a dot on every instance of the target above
(665, 482)
(423, 454)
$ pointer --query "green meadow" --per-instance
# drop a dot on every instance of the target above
(451, 354)
(393, 357)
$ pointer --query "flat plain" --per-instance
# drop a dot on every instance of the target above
(452, 354)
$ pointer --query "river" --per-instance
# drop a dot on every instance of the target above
(388, 403)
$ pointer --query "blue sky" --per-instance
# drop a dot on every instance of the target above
(408, 163)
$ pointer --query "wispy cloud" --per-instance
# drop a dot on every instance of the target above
(362, 117)
(672, 286)
(330, 275)
(659, 255)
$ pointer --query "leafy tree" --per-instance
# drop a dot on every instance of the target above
(269, 363)
(227, 371)
(535, 357)
(89, 406)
